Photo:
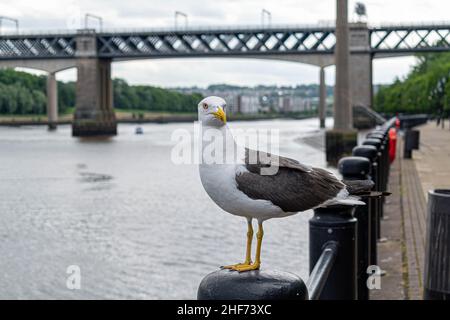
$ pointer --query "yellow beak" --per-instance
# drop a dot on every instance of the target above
(220, 114)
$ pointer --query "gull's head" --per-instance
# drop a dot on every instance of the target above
(211, 111)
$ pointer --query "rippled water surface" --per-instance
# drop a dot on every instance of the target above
(137, 225)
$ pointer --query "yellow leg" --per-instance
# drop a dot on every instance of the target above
(248, 251)
(257, 263)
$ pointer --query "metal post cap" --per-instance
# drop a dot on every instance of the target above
(354, 166)
(252, 285)
(375, 135)
(372, 142)
(366, 151)
(379, 131)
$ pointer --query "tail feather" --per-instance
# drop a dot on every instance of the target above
(357, 187)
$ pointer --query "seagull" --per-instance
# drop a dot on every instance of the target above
(243, 189)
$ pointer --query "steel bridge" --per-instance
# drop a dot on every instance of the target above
(92, 52)
(225, 42)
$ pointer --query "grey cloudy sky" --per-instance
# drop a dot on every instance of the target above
(63, 14)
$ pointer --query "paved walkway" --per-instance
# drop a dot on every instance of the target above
(402, 255)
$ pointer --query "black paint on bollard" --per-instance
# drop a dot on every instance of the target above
(252, 285)
(370, 152)
(437, 252)
(335, 224)
(358, 168)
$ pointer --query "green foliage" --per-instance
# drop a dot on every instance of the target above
(149, 98)
(426, 89)
(25, 94)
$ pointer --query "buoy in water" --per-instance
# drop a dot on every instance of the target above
(139, 130)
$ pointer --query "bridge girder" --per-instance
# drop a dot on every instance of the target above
(225, 43)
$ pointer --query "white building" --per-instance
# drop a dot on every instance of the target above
(248, 104)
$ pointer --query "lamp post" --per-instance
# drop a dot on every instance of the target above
(181, 14)
(267, 13)
(16, 22)
(93, 16)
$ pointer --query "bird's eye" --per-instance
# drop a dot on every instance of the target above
(205, 106)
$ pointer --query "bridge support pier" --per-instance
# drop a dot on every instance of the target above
(340, 141)
(94, 114)
(360, 65)
(52, 101)
(322, 98)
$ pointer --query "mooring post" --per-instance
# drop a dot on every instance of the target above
(358, 168)
(252, 285)
(335, 224)
(370, 152)
(378, 184)
(411, 142)
(437, 251)
(384, 163)
(384, 148)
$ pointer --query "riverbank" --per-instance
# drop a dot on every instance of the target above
(404, 226)
(147, 117)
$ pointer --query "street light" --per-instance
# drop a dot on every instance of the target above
(93, 16)
(267, 13)
(180, 14)
(360, 10)
(16, 22)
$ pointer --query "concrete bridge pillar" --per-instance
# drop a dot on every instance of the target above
(322, 98)
(94, 114)
(360, 65)
(52, 101)
(340, 141)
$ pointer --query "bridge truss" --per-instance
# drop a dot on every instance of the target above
(221, 42)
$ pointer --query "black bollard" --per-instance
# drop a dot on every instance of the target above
(358, 168)
(335, 224)
(377, 179)
(384, 165)
(437, 252)
(252, 285)
(370, 152)
(411, 142)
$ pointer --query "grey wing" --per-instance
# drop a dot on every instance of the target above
(255, 160)
(291, 189)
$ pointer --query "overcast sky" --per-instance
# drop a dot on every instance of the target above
(63, 14)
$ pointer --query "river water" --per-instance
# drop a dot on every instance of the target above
(137, 225)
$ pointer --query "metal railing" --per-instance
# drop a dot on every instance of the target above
(319, 275)
(307, 26)
(340, 252)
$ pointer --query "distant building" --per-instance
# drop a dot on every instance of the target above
(263, 99)
(248, 104)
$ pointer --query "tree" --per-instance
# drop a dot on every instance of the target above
(424, 90)
(24, 93)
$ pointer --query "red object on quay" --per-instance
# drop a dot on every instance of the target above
(392, 142)
(397, 123)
